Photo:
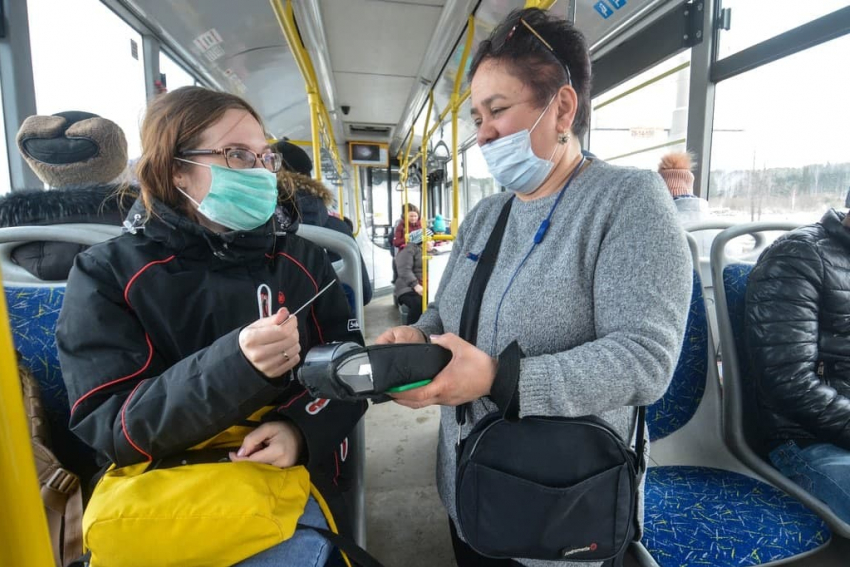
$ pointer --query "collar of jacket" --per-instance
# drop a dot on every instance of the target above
(832, 223)
(183, 235)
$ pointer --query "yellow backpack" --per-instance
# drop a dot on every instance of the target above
(200, 515)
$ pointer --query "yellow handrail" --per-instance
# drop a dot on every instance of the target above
(644, 84)
(357, 197)
(650, 148)
(24, 539)
(457, 102)
(542, 4)
(423, 214)
(319, 120)
(403, 175)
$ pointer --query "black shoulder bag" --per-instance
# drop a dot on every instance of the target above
(550, 488)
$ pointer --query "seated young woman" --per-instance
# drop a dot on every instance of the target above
(179, 329)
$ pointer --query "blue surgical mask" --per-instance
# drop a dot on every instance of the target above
(240, 199)
(512, 162)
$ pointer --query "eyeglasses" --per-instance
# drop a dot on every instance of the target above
(545, 43)
(240, 158)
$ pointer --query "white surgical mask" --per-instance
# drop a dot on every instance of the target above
(512, 162)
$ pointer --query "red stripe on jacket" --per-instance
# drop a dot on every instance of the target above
(140, 370)
(124, 423)
(315, 285)
(119, 380)
(147, 337)
(139, 273)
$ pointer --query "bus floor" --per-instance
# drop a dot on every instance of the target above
(405, 521)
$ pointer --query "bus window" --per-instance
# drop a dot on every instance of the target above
(645, 117)
(753, 21)
(779, 148)
(99, 72)
(480, 183)
(175, 75)
(5, 179)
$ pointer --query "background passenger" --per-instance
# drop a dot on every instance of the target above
(398, 242)
(439, 224)
(675, 169)
(83, 160)
(799, 345)
(413, 223)
(310, 200)
(408, 285)
(175, 331)
(598, 306)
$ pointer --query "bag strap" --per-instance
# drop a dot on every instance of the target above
(640, 441)
(353, 551)
(62, 497)
(475, 293)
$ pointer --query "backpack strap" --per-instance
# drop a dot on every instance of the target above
(63, 504)
(61, 492)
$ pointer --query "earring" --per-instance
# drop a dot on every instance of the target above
(563, 137)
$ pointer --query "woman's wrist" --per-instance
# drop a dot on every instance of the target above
(425, 336)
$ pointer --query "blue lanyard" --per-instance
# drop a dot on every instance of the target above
(538, 238)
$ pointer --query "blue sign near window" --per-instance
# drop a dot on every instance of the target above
(618, 3)
(604, 10)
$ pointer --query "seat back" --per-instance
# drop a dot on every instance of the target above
(684, 425)
(34, 307)
(741, 429)
(349, 272)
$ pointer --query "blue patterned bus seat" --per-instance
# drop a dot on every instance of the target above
(683, 396)
(705, 516)
(33, 312)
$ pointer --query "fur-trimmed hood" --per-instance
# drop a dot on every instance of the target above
(98, 204)
(311, 198)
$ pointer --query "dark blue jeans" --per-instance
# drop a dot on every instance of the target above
(822, 469)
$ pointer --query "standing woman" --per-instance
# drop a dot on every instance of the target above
(177, 330)
(593, 277)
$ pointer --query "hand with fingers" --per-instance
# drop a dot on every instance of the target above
(400, 335)
(277, 443)
(467, 377)
(271, 345)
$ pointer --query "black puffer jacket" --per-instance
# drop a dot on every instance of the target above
(148, 340)
(798, 334)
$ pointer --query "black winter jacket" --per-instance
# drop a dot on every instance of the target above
(51, 261)
(148, 340)
(798, 334)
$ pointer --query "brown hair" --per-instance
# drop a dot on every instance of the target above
(174, 122)
(409, 208)
(541, 66)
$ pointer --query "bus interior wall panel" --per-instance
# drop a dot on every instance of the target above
(675, 32)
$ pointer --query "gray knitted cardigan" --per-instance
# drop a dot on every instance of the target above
(599, 308)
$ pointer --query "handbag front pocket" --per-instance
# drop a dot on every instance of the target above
(506, 516)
